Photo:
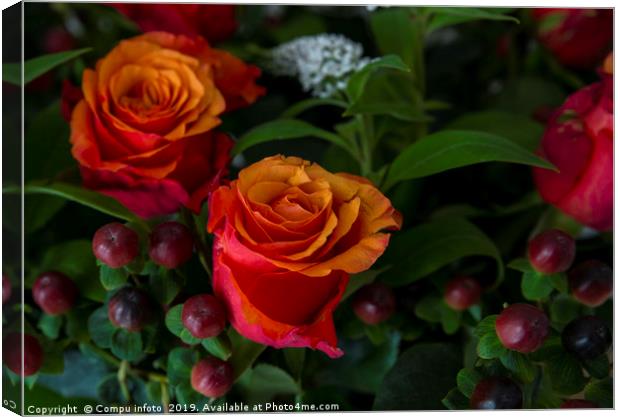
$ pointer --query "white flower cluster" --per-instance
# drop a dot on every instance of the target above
(322, 63)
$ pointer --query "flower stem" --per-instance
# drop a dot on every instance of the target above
(201, 247)
(122, 380)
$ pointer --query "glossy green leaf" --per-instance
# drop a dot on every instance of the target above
(519, 365)
(535, 286)
(450, 149)
(285, 129)
(357, 82)
(263, 382)
(245, 352)
(419, 251)
(38, 66)
(127, 345)
(450, 319)
(188, 338)
(187, 396)
(395, 32)
(486, 325)
(100, 328)
(164, 285)
(180, 363)
(490, 347)
(566, 374)
(448, 16)
(600, 392)
(564, 309)
(466, 381)
(598, 367)
(218, 346)
(520, 264)
(455, 400)
(174, 321)
(112, 278)
(50, 325)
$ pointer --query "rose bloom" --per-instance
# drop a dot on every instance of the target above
(579, 142)
(143, 133)
(215, 22)
(287, 236)
(578, 38)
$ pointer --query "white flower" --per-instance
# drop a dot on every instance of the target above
(322, 63)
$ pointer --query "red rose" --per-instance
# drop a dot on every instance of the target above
(287, 236)
(215, 22)
(579, 142)
(579, 38)
(143, 133)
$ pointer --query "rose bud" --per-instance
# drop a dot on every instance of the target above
(212, 377)
(575, 403)
(578, 140)
(6, 288)
(374, 303)
(462, 292)
(204, 316)
(171, 244)
(496, 393)
(578, 38)
(116, 245)
(130, 309)
(54, 292)
(522, 327)
(12, 353)
(591, 282)
(551, 251)
(586, 337)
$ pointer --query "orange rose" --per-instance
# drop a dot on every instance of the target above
(143, 132)
(287, 236)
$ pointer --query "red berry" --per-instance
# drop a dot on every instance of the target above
(12, 355)
(204, 316)
(54, 292)
(130, 309)
(212, 377)
(374, 303)
(462, 293)
(171, 244)
(591, 282)
(578, 404)
(522, 327)
(116, 245)
(6, 288)
(551, 251)
(496, 393)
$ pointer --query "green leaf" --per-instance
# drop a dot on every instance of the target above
(598, 367)
(486, 325)
(39, 210)
(535, 286)
(153, 391)
(551, 347)
(455, 400)
(285, 129)
(127, 345)
(395, 33)
(262, 383)
(564, 309)
(450, 319)
(447, 16)
(559, 282)
(466, 381)
(112, 278)
(35, 67)
(295, 358)
(490, 347)
(424, 249)
(600, 392)
(109, 390)
(100, 328)
(80, 195)
(357, 82)
(428, 308)
(75, 259)
(174, 321)
(502, 124)
(186, 395)
(376, 333)
(50, 325)
(180, 363)
(519, 365)
(164, 285)
(565, 374)
(219, 346)
(420, 378)
(307, 104)
(450, 149)
(188, 338)
(520, 264)
(357, 281)
(77, 324)
(53, 360)
(245, 352)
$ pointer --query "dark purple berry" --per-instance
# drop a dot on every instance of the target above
(12, 353)
(551, 251)
(130, 309)
(462, 292)
(374, 303)
(116, 245)
(6, 288)
(171, 244)
(496, 393)
(54, 292)
(591, 282)
(522, 327)
(578, 404)
(204, 316)
(212, 377)
(586, 337)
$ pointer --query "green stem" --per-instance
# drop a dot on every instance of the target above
(165, 396)
(201, 247)
(122, 380)
(364, 123)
